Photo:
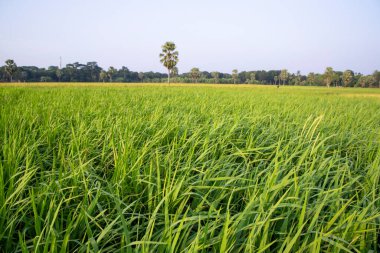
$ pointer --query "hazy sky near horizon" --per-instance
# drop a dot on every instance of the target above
(214, 35)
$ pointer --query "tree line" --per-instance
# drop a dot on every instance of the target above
(92, 72)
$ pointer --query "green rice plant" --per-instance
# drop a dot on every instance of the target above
(196, 168)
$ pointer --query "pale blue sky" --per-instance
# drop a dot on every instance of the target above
(221, 35)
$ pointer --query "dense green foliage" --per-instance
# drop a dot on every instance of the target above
(189, 169)
(91, 72)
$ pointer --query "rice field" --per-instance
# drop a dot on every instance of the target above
(188, 168)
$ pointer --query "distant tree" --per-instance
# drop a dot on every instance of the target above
(169, 57)
(141, 76)
(58, 73)
(376, 78)
(329, 76)
(215, 76)
(111, 71)
(311, 78)
(275, 81)
(363, 81)
(356, 82)
(103, 76)
(125, 73)
(252, 77)
(298, 78)
(174, 72)
(77, 72)
(235, 75)
(371, 82)
(69, 72)
(45, 79)
(10, 68)
(195, 74)
(284, 75)
(337, 78)
(24, 75)
(93, 71)
(347, 77)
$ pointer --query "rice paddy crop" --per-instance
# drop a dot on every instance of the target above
(129, 168)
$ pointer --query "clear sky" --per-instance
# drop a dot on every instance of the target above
(214, 35)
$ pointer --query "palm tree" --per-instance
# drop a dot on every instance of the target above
(169, 57)
(10, 68)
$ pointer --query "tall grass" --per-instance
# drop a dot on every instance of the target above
(188, 169)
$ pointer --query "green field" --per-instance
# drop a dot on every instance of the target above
(188, 168)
